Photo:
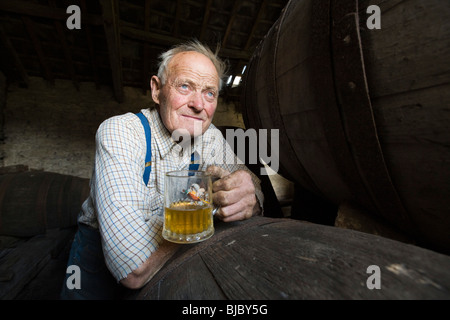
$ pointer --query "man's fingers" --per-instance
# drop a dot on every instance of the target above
(216, 171)
(233, 212)
(236, 180)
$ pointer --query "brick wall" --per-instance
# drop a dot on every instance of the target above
(52, 127)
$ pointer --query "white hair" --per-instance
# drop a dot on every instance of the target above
(195, 46)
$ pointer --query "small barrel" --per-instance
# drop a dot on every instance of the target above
(277, 258)
(33, 201)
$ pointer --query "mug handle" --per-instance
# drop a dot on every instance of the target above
(215, 210)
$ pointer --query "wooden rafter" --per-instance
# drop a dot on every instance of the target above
(90, 44)
(255, 24)
(230, 22)
(148, 27)
(36, 10)
(21, 72)
(205, 19)
(146, 68)
(111, 25)
(67, 54)
(176, 24)
(155, 38)
(29, 26)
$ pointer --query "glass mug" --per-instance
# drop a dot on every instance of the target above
(188, 207)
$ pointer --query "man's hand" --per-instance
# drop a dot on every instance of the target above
(234, 193)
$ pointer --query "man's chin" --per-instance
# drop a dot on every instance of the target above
(197, 128)
(192, 131)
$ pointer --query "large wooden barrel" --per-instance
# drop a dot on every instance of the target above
(277, 258)
(32, 202)
(363, 114)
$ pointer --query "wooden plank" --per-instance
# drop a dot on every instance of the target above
(112, 32)
(185, 253)
(411, 51)
(264, 258)
(358, 119)
(183, 285)
(27, 260)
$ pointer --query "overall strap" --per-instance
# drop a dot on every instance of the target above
(148, 156)
(194, 161)
(194, 165)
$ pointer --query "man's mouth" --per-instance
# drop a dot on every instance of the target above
(192, 117)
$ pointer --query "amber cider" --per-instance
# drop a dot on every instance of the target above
(188, 222)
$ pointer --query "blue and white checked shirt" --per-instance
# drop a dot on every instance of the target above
(128, 213)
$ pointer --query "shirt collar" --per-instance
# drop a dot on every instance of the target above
(163, 138)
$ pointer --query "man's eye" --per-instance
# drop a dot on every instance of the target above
(210, 94)
(184, 87)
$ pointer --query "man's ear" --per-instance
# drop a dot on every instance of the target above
(155, 85)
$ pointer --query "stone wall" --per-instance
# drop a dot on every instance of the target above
(52, 127)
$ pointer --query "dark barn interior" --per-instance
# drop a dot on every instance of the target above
(362, 117)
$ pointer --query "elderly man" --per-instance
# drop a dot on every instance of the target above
(119, 242)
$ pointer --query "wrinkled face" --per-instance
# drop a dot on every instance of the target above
(188, 99)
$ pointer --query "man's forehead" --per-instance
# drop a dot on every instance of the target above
(194, 77)
(192, 65)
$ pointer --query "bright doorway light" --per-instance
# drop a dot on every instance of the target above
(236, 81)
(230, 78)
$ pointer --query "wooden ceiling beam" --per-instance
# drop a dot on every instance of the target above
(67, 54)
(29, 26)
(230, 22)
(111, 25)
(146, 68)
(154, 38)
(36, 10)
(20, 70)
(176, 25)
(90, 44)
(205, 19)
(255, 24)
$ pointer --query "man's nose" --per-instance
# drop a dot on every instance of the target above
(196, 101)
